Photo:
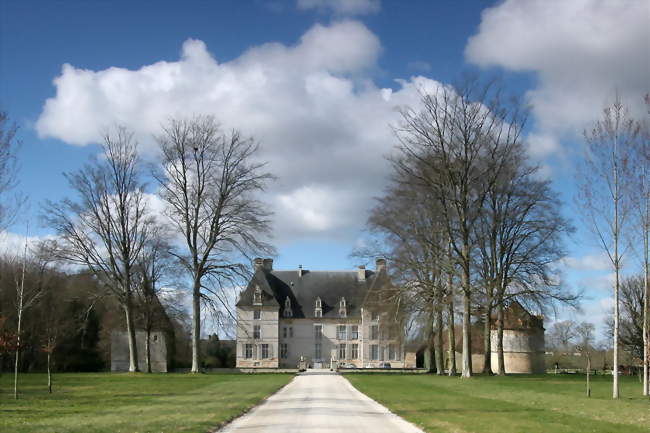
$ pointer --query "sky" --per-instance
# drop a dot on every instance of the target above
(318, 84)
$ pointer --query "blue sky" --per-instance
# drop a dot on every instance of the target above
(309, 79)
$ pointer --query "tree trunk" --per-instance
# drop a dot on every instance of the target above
(130, 334)
(588, 372)
(429, 353)
(437, 342)
(49, 373)
(501, 364)
(147, 348)
(467, 336)
(451, 331)
(646, 294)
(487, 328)
(196, 325)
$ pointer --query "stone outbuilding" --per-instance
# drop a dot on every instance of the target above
(523, 341)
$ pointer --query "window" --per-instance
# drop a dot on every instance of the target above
(318, 332)
(257, 296)
(391, 352)
(354, 332)
(343, 311)
(284, 332)
(392, 333)
(248, 351)
(342, 351)
(284, 350)
(355, 352)
(374, 332)
(342, 332)
(257, 331)
(265, 351)
(374, 316)
(291, 331)
(287, 308)
(317, 351)
(374, 352)
(257, 315)
(318, 309)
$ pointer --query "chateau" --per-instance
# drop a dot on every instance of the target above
(323, 317)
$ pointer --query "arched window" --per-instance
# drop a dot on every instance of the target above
(343, 311)
(257, 296)
(287, 307)
(318, 311)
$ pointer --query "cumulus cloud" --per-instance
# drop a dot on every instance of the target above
(323, 125)
(583, 51)
(342, 7)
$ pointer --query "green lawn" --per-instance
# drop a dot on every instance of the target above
(130, 403)
(509, 404)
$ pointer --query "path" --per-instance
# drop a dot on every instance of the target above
(319, 401)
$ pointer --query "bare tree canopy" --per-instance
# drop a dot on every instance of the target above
(603, 181)
(456, 146)
(106, 227)
(209, 181)
(9, 145)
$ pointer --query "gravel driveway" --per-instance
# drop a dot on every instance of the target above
(320, 401)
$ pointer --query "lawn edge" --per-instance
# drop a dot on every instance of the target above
(230, 420)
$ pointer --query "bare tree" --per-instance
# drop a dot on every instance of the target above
(9, 145)
(456, 145)
(154, 267)
(562, 335)
(603, 180)
(28, 294)
(520, 239)
(640, 197)
(106, 228)
(585, 336)
(209, 180)
(415, 243)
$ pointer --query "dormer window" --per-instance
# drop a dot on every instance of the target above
(287, 307)
(257, 296)
(343, 311)
(318, 310)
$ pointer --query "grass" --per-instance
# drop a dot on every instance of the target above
(131, 403)
(510, 404)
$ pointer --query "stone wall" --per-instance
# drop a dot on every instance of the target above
(523, 351)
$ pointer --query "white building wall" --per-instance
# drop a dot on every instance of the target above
(301, 341)
(268, 323)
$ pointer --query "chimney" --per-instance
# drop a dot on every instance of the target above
(300, 270)
(380, 264)
(362, 273)
(257, 264)
(268, 265)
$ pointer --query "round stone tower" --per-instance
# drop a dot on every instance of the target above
(523, 341)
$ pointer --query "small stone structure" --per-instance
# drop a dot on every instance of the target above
(523, 341)
(120, 351)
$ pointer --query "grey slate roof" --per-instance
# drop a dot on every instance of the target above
(303, 290)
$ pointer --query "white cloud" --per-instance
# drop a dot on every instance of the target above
(590, 262)
(323, 125)
(342, 7)
(583, 51)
